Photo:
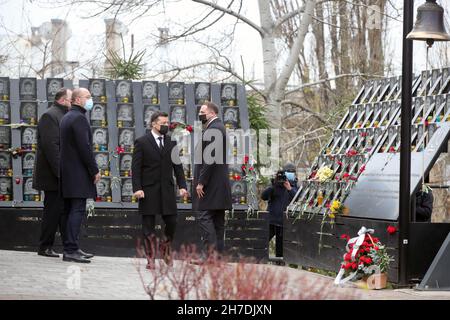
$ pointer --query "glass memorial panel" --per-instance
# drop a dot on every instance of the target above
(29, 138)
(124, 91)
(28, 112)
(28, 163)
(30, 194)
(177, 114)
(125, 115)
(98, 116)
(125, 164)
(176, 92)
(149, 110)
(126, 139)
(53, 86)
(100, 139)
(5, 113)
(231, 117)
(27, 88)
(4, 89)
(150, 92)
(97, 88)
(104, 190)
(5, 189)
(202, 92)
(127, 191)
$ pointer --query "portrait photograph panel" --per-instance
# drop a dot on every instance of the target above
(102, 160)
(5, 112)
(29, 136)
(126, 137)
(177, 114)
(27, 88)
(5, 161)
(5, 186)
(103, 188)
(124, 91)
(125, 115)
(125, 163)
(28, 163)
(148, 112)
(28, 112)
(231, 117)
(4, 88)
(150, 91)
(176, 92)
(28, 187)
(53, 85)
(98, 115)
(97, 88)
(5, 136)
(127, 190)
(100, 136)
(228, 93)
(238, 191)
(202, 92)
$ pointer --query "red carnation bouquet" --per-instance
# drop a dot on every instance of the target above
(365, 255)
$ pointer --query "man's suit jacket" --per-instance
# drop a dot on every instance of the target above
(46, 166)
(214, 177)
(77, 164)
(152, 172)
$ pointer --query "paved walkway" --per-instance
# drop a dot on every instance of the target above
(25, 275)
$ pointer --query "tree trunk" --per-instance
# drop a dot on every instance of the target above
(318, 30)
(376, 57)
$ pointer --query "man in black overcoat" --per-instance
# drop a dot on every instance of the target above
(46, 172)
(79, 172)
(155, 160)
(213, 191)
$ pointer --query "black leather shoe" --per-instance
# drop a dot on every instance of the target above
(85, 255)
(48, 253)
(75, 257)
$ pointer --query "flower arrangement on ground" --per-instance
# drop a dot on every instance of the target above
(365, 255)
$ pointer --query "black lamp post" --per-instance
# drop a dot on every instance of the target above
(429, 27)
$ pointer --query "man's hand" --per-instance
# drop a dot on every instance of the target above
(184, 193)
(287, 185)
(139, 194)
(97, 178)
(200, 192)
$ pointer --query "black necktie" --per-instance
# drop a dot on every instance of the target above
(160, 143)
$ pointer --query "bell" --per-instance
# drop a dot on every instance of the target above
(429, 25)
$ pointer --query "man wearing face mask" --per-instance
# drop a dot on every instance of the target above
(213, 190)
(78, 171)
(46, 173)
(155, 160)
(279, 195)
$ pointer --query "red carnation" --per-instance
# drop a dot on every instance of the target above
(189, 128)
(246, 159)
(354, 265)
(237, 178)
(251, 169)
(345, 236)
(244, 167)
(392, 149)
(391, 229)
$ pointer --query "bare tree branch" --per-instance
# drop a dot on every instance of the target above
(233, 13)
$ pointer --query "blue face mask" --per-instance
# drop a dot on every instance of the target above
(290, 176)
(89, 104)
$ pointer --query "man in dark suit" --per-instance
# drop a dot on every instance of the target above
(46, 172)
(213, 191)
(155, 159)
(79, 172)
